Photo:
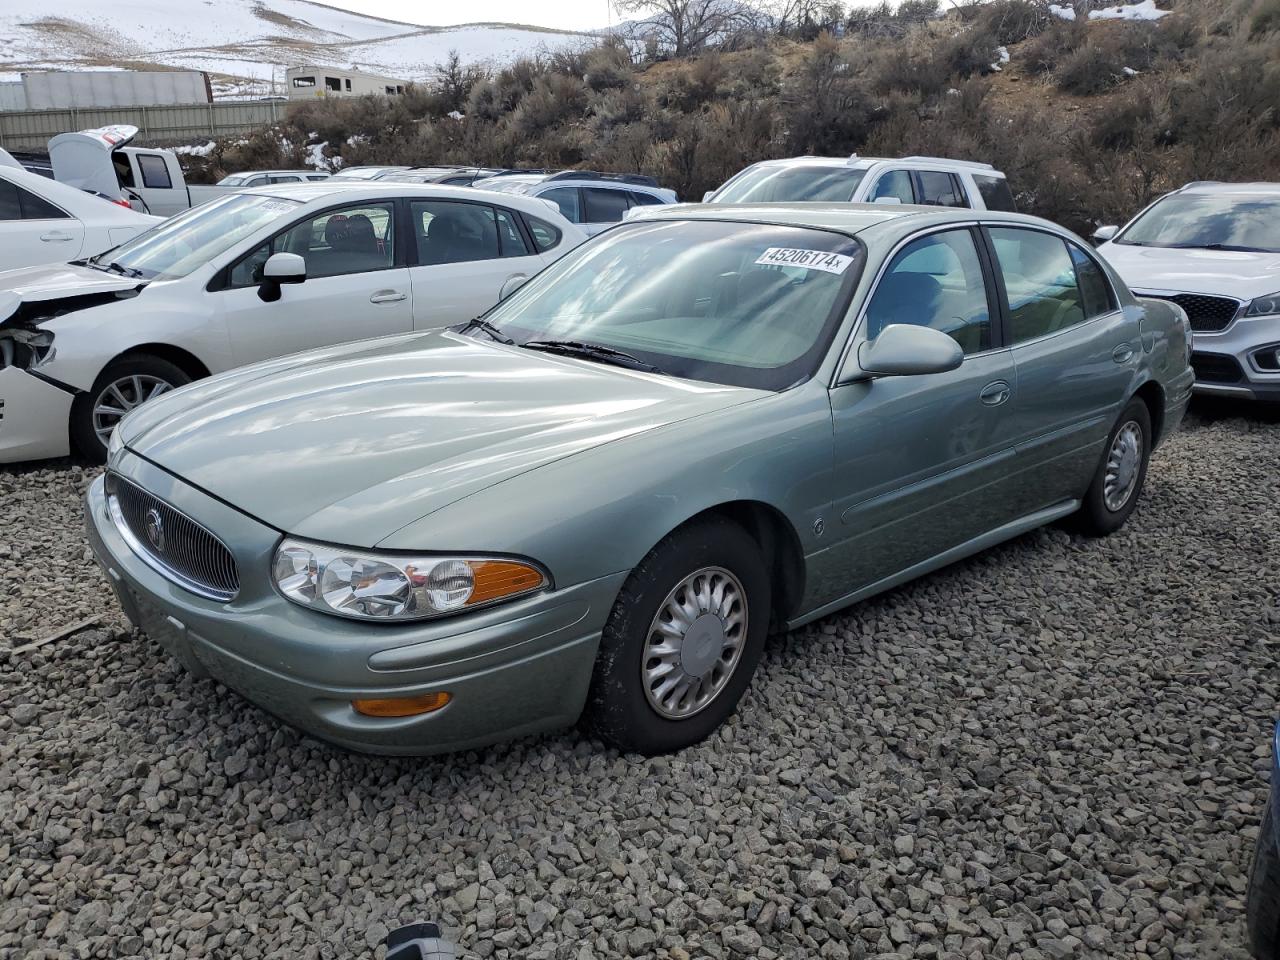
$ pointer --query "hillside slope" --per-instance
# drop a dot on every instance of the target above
(245, 43)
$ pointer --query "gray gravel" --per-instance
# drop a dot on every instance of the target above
(1057, 749)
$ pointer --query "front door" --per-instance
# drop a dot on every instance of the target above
(468, 254)
(357, 286)
(1076, 354)
(921, 462)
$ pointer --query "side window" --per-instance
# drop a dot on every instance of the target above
(937, 282)
(38, 208)
(1040, 279)
(450, 231)
(255, 182)
(1095, 288)
(286, 179)
(894, 184)
(10, 205)
(545, 236)
(604, 206)
(566, 198)
(155, 172)
(124, 171)
(639, 199)
(336, 243)
(940, 189)
(510, 239)
(995, 193)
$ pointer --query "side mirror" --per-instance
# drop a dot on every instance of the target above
(1103, 234)
(706, 197)
(511, 286)
(280, 268)
(903, 350)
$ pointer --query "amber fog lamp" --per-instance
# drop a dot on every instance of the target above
(401, 706)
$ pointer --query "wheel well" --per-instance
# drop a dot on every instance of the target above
(1152, 395)
(187, 362)
(779, 545)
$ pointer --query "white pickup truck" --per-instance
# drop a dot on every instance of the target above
(149, 179)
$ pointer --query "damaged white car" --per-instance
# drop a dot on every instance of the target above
(247, 277)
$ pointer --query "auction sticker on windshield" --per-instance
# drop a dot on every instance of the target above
(809, 259)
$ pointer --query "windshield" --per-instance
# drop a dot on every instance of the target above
(175, 247)
(1209, 221)
(232, 181)
(736, 303)
(771, 183)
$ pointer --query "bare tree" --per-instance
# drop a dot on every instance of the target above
(684, 26)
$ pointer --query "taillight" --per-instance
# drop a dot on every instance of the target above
(123, 203)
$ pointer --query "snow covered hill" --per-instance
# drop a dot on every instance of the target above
(245, 44)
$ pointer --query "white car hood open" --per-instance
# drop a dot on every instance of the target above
(1227, 273)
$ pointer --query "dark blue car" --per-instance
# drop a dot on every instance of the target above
(1264, 875)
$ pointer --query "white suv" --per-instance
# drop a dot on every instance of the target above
(1213, 249)
(933, 181)
(594, 201)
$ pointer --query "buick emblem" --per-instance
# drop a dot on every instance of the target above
(155, 529)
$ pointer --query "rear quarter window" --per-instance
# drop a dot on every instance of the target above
(995, 192)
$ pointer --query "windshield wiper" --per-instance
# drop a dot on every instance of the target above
(487, 327)
(592, 351)
(114, 267)
(1220, 246)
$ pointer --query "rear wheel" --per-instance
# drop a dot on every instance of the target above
(1116, 486)
(125, 384)
(682, 641)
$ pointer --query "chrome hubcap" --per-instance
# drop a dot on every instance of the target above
(122, 396)
(695, 642)
(1124, 461)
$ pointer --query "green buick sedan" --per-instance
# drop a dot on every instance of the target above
(597, 500)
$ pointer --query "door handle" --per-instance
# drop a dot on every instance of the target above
(995, 393)
(1122, 353)
(387, 296)
(55, 237)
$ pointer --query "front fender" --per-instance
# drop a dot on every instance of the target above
(600, 511)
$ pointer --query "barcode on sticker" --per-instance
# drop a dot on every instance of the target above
(809, 259)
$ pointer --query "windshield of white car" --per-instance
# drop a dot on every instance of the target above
(232, 181)
(774, 183)
(174, 248)
(744, 304)
(1208, 221)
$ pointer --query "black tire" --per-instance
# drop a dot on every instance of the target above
(1262, 907)
(1095, 518)
(618, 707)
(84, 436)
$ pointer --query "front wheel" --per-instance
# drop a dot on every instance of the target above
(1114, 492)
(682, 641)
(125, 384)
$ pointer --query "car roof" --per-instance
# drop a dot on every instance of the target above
(847, 218)
(862, 163)
(1257, 188)
(318, 191)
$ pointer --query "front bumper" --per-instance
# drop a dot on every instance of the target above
(516, 669)
(1233, 363)
(34, 417)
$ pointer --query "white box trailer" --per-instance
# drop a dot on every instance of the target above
(304, 83)
(62, 89)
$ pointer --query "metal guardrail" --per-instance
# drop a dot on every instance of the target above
(31, 129)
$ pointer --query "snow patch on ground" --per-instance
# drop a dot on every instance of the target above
(1061, 12)
(1002, 57)
(199, 150)
(1146, 10)
(315, 155)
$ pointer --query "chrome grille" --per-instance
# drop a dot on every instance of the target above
(1207, 314)
(171, 542)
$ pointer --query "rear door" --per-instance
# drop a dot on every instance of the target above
(158, 183)
(465, 255)
(923, 462)
(1076, 354)
(357, 285)
(32, 230)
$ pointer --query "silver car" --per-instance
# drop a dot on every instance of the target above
(597, 500)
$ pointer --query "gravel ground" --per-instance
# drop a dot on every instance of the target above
(1056, 749)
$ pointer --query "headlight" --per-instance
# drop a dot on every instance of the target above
(378, 586)
(1264, 306)
(115, 444)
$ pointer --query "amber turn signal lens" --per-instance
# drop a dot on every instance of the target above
(495, 579)
(401, 706)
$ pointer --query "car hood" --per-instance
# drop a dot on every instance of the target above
(54, 281)
(1228, 273)
(349, 444)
